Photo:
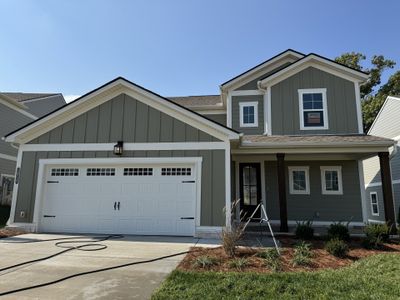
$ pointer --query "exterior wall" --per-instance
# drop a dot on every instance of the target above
(7, 167)
(46, 105)
(252, 85)
(316, 206)
(123, 119)
(372, 172)
(127, 119)
(387, 124)
(378, 190)
(220, 118)
(395, 165)
(341, 101)
(9, 121)
(236, 114)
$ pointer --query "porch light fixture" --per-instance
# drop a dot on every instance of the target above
(118, 148)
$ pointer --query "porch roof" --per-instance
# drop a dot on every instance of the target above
(354, 143)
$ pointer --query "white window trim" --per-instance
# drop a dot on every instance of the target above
(377, 203)
(324, 109)
(246, 104)
(306, 169)
(338, 169)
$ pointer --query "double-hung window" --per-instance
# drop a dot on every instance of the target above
(373, 196)
(331, 179)
(313, 109)
(248, 114)
(299, 180)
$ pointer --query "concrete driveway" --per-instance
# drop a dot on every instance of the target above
(133, 282)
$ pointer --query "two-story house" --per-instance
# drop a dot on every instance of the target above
(16, 110)
(387, 125)
(122, 159)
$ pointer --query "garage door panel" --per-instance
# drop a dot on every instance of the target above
(151, 201)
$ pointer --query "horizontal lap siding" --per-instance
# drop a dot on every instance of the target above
(7, 166)
(341, 103)
(346, 207)
(124, 118)
(387, 124)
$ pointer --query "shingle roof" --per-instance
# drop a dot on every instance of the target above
(310, 140)
(20, 97)
(197, 101)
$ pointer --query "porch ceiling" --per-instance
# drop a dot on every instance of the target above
(362, 145)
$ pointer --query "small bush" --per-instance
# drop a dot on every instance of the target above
(375, 235)
(302, 254)
(304, 230)
(338, 231)
(337, 247)
(239, 263)
(269, 254)
(230, 239)
(205, 262)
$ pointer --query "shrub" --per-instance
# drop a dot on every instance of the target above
(375, 235)
(272, 259)
(304, 230)
(231, 238)
(239, 263)
(338, 231)
(205, 262)
(302, 254)
(337, 247)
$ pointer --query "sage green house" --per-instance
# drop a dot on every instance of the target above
(286, 134)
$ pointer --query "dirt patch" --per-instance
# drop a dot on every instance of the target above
(7, 232)
(321, 259)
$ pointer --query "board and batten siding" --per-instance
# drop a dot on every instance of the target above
(316, 206)
(341, 102)
(9, 121)
(124, 118)
(236, 114)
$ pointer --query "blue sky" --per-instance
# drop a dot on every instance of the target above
(182, 47)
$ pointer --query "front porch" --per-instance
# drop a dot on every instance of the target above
(312, 178)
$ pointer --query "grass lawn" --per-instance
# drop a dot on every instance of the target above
(4, 214)
(375, 277)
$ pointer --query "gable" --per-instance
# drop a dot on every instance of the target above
(107, 92)
(387, 123)
(123, 118)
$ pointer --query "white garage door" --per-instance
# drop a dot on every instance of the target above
(125, 199)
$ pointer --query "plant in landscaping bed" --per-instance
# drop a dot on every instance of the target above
(239, 263)
(205, 262)
(304, 230)
(339, 231)
(272, 259)
(337, 247)
(375, 235)
(230, 239)
(302, 254)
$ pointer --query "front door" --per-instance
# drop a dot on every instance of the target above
(250, 189)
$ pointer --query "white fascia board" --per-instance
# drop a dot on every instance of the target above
(253, 74)
(126, 146)
(313, 145)
(18, 108)
(319, 63)
(105, 94)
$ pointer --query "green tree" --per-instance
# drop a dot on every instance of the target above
(372, 98)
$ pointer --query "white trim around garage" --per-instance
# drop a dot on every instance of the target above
(15, 188)
(8, 157)
(43, 163)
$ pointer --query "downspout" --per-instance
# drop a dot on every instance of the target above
(259, 87)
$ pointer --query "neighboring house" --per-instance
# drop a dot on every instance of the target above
(122, 159)
(386, 124)
(16, 110)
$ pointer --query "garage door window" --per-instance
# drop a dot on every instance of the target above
(100, 172)
(176, 171)
(138, 171)
(65, 172)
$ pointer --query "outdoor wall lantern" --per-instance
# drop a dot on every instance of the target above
(118, 148)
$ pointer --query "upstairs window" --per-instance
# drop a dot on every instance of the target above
(248, 112)
(313, 109)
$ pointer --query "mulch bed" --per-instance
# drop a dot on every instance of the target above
(7, 232)
(321, 258)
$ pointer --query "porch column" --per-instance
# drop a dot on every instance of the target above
(282, 192)
(387, 190)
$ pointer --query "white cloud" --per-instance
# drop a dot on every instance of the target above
(69, 98)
